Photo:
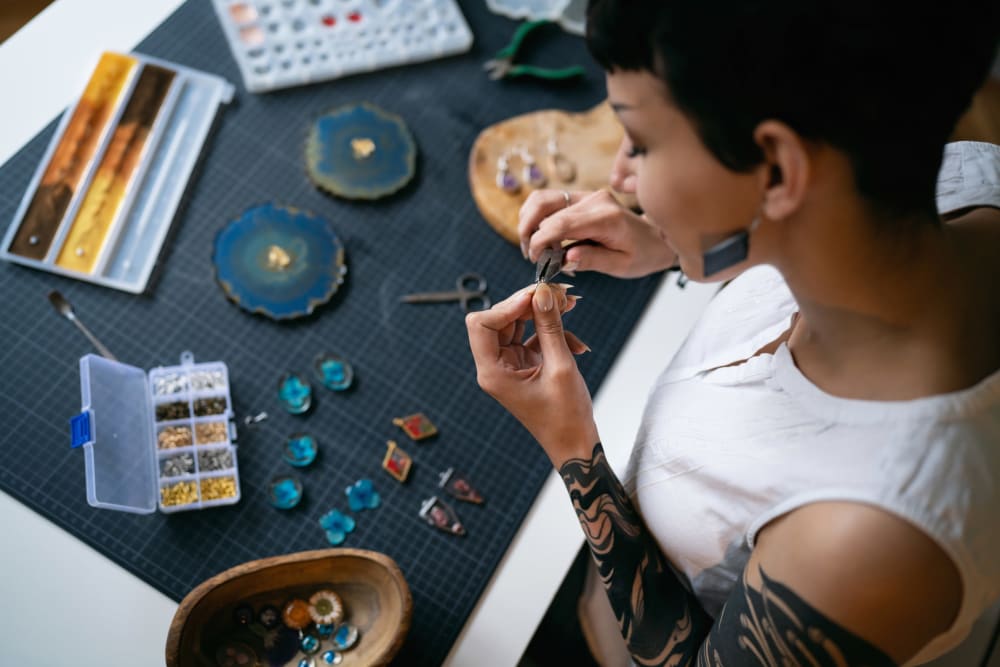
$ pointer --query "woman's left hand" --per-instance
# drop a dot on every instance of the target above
(537, 379)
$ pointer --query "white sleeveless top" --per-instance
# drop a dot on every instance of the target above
(722, 452)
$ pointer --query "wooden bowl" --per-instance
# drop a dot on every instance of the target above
(376, 600)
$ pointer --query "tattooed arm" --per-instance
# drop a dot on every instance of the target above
(661, 622)
(871, 602)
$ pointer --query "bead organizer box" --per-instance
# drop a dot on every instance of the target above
(104, 195)
(159, 439)
(284, 43)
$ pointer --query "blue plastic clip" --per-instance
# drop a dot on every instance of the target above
(79, 427)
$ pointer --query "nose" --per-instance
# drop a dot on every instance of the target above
(622, 177)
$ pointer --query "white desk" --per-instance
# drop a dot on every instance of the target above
(61, 598)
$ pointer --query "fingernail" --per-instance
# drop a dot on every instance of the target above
(524, 250)
(569, 267)
(566, 285)
(543, 297)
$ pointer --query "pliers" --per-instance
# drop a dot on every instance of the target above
(502, 64)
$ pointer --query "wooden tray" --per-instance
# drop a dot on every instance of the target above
(371, 585)
(588, 140)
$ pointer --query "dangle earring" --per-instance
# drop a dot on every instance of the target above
(530, 173)
(506, 181)
(729, 252)
(559, 164)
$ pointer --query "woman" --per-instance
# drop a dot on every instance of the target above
(816, 477)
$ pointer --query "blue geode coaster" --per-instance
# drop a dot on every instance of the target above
(360, 152)
(279, 261)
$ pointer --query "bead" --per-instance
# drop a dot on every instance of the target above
(269, 617)
(345, 637)
(362, 495)
(285, 492)
(332, 658)
(324, 630)
(309, 644)
(333, 372)
(243, 614)
(300, 450)
(337, 525)
(294, 393)
(326, 608)
(296, 614)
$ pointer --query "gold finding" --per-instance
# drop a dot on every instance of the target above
(210, 432)
(174, 436)
(181, 493)
(277, 258)
(215, 488)
(363, 147)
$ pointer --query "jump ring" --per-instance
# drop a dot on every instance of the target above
(566, 198)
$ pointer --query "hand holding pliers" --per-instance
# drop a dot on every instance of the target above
(502, 64)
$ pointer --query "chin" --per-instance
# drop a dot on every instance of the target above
(693, 270)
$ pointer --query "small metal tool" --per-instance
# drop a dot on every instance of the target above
(550, 262)
(64, 308)
(502, 64)
(470, 292)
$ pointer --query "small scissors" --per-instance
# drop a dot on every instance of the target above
(470, 291)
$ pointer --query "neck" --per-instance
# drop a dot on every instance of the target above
(880, 309)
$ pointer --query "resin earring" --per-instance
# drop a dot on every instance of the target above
(530, 172)
(506, 180)
(559, 164)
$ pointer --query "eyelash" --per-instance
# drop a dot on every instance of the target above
(635, 151)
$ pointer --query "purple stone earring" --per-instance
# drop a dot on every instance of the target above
(506, 180)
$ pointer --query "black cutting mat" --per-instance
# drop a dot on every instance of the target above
(407, 358)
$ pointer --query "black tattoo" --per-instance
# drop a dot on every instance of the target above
(661, 621)
(663, 624)
(774, 626)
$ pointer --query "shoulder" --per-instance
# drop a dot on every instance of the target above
(969, 176)
(870, 572)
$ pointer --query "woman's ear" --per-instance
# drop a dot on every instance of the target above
(786, 173)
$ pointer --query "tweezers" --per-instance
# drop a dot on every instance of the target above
(550, 262)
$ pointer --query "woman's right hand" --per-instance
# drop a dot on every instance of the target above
(625, 244)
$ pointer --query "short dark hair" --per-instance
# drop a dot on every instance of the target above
(882, 80)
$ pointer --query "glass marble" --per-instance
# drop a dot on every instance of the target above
(345, 637)
(300, 450)
(333, 372)
(285, 492)
(294, 393)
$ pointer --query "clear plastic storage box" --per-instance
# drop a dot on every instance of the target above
(162, 439)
